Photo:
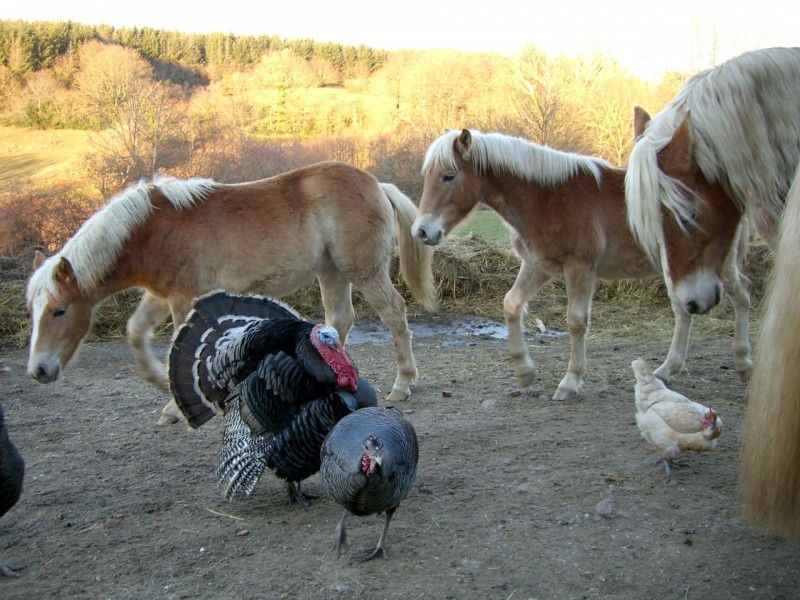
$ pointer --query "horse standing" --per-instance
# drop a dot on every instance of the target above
(566, 214)
(770, 458)
(179, 239)
(726, 146)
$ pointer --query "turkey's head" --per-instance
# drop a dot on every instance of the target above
(326, 340)
(372, 457)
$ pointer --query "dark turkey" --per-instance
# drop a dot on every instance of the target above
(12, 471)
(281, 382)
(369, 463)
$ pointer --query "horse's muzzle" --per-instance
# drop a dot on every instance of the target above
(432, 236)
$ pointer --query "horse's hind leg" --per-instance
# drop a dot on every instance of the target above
(529, 280)
(390, 306)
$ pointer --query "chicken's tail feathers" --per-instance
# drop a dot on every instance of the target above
(216, 319)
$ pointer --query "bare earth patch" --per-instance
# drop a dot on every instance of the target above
(517, 496)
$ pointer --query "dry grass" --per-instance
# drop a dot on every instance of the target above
(472, 277)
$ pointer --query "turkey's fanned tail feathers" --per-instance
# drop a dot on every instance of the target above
(216, 319)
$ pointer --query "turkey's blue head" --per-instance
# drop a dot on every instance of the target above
(372, 457)
(326, 340)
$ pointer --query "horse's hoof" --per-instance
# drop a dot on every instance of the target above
(397, 396)
(167, 419)
(526, 379)
(565, 394)
(663, 374)
(744, 374)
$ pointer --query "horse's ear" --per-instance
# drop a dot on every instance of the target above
(464, 143)
(676, 157)
(38, 260)
(64, 273)
(640, 119)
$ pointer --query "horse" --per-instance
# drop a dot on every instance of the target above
(724, 148)
(178, 239)
(769, 488)
(567, 219)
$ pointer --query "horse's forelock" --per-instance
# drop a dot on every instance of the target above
(440, 153)
(43, 280)
(648, 188)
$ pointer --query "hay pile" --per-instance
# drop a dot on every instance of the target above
(472, 277)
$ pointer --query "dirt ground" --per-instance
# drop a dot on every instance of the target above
(517, 496)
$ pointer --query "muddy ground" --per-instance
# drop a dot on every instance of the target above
(517, 496)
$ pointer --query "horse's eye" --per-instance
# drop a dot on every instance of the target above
(59, 312)
(448, 177)
(684, 221)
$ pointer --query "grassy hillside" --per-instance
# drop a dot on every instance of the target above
(39, 155)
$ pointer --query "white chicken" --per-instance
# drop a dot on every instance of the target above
(669, 421)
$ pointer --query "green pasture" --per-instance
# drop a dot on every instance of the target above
(486, 225)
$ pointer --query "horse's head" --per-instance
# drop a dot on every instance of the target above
(451, 188)
(699, 224)
(61, 315)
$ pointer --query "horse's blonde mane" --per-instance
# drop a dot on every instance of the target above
(95, 247)
(745, 122)
(513, 155)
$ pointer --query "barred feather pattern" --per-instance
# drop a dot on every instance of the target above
(242, 455)
(342, 453)
(293, 454)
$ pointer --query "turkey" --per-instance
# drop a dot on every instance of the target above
(369, 463)
(280, 381)
(12, 471)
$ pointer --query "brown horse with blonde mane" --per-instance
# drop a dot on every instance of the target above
(566, 214)
(179, 239)
(725, 147)
(770, 459)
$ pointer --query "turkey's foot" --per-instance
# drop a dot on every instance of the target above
(296, 494)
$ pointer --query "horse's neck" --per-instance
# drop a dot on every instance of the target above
(515, 199)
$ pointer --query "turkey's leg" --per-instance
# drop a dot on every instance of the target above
(380, 548)
(340, 537)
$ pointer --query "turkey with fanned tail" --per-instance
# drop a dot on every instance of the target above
(369, 464)
(12, 472)
(280, 381)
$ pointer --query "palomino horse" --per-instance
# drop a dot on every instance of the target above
(566, 213)
(770, 458)
(726, 146)
(179, 239)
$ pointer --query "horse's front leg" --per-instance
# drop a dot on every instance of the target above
(337, 300)
(580, 287)
(179, 307)
(737, 286)
(150, 313)
(679, 346)
(529, 280)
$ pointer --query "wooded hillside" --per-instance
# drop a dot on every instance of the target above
(238, 108)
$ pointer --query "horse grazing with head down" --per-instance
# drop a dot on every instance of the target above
(726, 146)
(770, 457)
(566, 213)
(180, 239)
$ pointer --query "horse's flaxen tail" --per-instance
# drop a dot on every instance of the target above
(416, 258)
(770, 458)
